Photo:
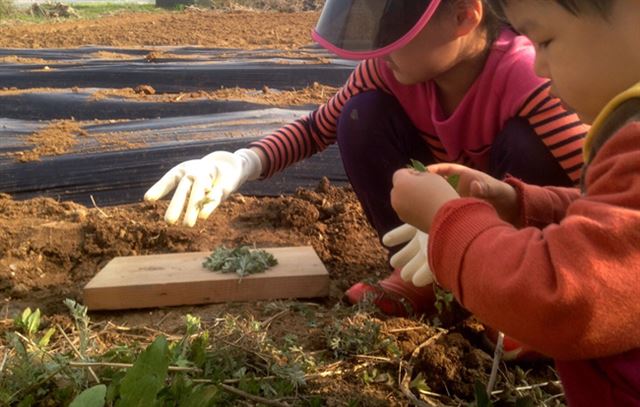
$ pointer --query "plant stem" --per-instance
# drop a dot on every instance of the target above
(77, 352)
(530, 387)
(251, 397)
(497, 357)
(82, 363)
(4, 361)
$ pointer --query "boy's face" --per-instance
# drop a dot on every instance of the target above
(590, 58)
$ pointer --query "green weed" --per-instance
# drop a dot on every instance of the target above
(240, 260)
(223, 362)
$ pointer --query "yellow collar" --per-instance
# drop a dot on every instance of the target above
(632, 92)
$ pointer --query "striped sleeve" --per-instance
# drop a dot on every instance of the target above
(559, 129)
(316, 131)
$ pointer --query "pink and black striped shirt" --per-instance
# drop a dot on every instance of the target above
(506, 88)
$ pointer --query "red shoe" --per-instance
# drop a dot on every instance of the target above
(513, 350)
(394, 297)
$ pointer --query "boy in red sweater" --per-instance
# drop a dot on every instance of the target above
(555, 268)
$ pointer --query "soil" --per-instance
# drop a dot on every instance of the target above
(49, 249)
(313, 95)
(55, 139)
(13, 59)
(61, 136)
(207, 28)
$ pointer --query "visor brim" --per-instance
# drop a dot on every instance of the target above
(361, 54)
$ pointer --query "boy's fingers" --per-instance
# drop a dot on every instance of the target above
(484, 190)
(477, 189)
(445, 168)
(400, 174)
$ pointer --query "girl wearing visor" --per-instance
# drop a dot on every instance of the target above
(439, 81)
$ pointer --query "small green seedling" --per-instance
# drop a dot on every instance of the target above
(444, 299)
(240, 260)
(418, 166)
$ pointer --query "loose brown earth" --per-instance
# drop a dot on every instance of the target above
(313, 95)
(200, 27)
(50, 249)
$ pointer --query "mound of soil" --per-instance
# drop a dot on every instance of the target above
(49, 249)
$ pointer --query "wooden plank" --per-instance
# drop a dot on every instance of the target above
(180, 279)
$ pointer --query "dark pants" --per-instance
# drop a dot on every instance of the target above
(376, 138)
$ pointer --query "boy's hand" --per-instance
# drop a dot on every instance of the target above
(479, 185)
(417, 196)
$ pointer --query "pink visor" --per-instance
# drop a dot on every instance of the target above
(362, 29)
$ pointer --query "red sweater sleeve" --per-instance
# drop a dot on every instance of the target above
(569, 290)
(541, 206)
(316, 131)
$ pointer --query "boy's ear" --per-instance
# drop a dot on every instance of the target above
(468, 16)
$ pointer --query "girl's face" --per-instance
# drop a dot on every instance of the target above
(442, 44)
(432, 52)
(589, 58)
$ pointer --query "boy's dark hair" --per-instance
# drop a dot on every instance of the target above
(575, 7)
(578, 6)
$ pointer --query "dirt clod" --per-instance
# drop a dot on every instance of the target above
(144, 90)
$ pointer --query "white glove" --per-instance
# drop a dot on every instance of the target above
(412, 260)
(205, 182)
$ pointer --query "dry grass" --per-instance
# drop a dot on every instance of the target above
(272, 5)
(7, 9)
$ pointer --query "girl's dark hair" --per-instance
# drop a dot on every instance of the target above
(492, 20)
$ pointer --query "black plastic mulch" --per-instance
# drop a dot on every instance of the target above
(167, 133)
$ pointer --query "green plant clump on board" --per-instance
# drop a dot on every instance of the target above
(240, 260)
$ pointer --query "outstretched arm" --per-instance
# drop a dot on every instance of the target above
(316, 131)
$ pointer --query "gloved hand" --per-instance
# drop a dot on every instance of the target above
(205, 183)
(412, 260)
